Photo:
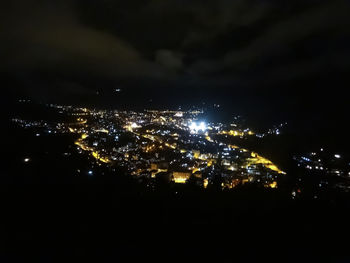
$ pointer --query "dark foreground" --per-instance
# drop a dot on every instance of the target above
(106, 223)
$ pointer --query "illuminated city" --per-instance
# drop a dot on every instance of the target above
(175, 131)
(153, 143)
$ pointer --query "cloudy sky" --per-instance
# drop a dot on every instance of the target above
(242, 52)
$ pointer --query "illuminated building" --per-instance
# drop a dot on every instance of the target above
(195, 127)
(196, 154)
(181, 177)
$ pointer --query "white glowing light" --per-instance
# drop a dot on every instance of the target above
(135, 125)
(337, 156)
(26, 160)
(194, 127)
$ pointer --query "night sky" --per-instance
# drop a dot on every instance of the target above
(264, 57)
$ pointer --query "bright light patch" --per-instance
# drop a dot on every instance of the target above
(26, 160)
(337, 156)
(195, 127)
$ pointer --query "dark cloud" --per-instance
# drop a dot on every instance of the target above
(169, 59)
(176, 48)
(52, 37)
(279, 38)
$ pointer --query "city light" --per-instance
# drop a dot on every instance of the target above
(134, 125)
(195, 128)
(198, 147)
